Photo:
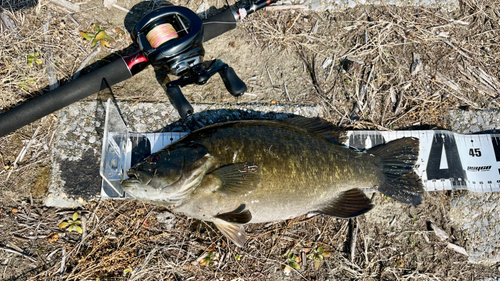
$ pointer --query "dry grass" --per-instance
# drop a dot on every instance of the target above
(368, 85)
(126, 240)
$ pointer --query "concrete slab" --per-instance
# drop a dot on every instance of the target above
(78, 142)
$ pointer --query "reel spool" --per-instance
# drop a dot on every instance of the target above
(171, 39)
(161, 34)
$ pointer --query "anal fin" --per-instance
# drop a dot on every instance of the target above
(348, 204)
(240, 215)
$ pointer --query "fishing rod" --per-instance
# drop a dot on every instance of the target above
(169, 38)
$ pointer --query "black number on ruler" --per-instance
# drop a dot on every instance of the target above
(475, 152)
(455, 169)
(496, 147)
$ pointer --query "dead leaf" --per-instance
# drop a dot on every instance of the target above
(100, 35)
(85, 35)
(53, 238)
(441, 234)
(457, 249)
(105, 43)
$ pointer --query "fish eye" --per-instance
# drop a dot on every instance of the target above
(154, 158)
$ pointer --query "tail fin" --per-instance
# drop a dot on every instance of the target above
(398, 180)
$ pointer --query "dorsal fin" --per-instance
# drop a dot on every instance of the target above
(320, 127)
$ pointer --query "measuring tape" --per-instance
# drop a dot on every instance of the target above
(447, 160)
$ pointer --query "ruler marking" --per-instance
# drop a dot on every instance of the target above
(496, 147)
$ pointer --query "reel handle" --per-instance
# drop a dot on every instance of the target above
(234, 85)
(178, 100)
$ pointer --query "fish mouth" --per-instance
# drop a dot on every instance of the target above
(136, 177)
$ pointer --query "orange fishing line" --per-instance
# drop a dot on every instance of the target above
(161, 34)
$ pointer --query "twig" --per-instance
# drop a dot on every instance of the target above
(269, 74)
(63, 261)
(286, 7)
(354, 237)
(22, 238)
(362, 94)
(86, 61)
(331, 67)
(84, 227)
(68, 5)
(312, 71)
(29, 144)
(9, 24)
(17, 253)
(51, 73)
(70, 16)
(456, 88)
(286, 91)
(49, 256)
(455, 47)
(402, 115)
(21, 154)
(398, 104)
(123, 9)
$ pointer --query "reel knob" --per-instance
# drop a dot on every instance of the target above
(179, 102)
(234, 85)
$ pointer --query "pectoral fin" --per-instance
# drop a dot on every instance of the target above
(348, 204)
(237, 179)
(235, 232)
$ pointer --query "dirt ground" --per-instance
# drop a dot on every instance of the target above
(392, 68)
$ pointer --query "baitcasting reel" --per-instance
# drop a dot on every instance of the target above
(171, 39)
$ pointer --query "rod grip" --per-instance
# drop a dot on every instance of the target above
(218, 24)
(63, 96)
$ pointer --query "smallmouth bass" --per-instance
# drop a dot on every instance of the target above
(258, 171)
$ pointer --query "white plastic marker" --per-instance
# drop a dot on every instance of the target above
(446, 160)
